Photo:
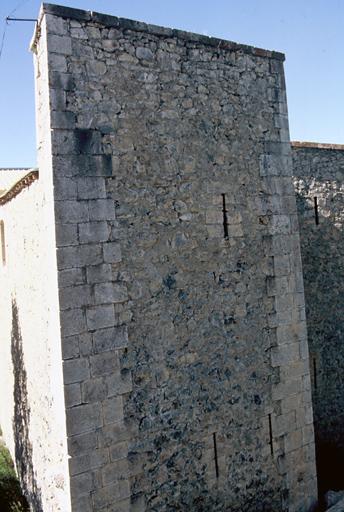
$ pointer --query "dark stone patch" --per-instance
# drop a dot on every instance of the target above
(21, 418)
(169, 281)
(87, 141)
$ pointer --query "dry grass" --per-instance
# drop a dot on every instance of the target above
(11, 498)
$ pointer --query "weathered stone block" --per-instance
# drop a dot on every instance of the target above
(81, 484)
(113, 410)
(60, 44)
(112, 252)
(280, 224)
(144, 53)
(71, 277)
(57, 25)
(73, 321)
(79, 256)
(71, 211)
(93, 232)
(83, 341)
(308, 434)
(66, 234)
(64, 120)
(83, 418)
(103, 364)
(75, 297)
(72, 395)
(285, 389)
(91, 188)
(138, 503)
(115, 471)
(64, 142)
(76, 370)
(104, 497)
(58, 99)
(99, 274)
(100, 316)
(282, 265)
(61, 81)
(94, 390)
(304, 415)
(88, 142)
(110, 339)
(119, 383)
(293, 440)
(117, 432)
(57, 63)
(83, 443)
(110, 293)
(93, 459)
(282, 355)
(283, 424)
(82, 503)
(272, 165)
(118, 451)
(102, 209)
(70, 347)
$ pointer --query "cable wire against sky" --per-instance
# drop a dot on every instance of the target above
(2, 44)
(3, 37)
(16, 8)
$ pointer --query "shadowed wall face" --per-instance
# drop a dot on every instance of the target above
(21, 416)
(319, 184)
(181, 298)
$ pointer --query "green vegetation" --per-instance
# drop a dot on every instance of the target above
(11, 498)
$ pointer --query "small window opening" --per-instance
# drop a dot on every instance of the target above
(271, 442)
(315, 373)
(225, 220)
(2, 242)
(215, 456)
(316, 211)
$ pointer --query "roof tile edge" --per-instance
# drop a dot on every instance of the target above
(139, 26)
(18, 186)
(5, 169)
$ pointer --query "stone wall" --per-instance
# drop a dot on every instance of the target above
(32, 412)
(319, 184)
(180, 288)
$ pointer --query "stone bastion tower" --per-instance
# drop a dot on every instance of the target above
(154, 350)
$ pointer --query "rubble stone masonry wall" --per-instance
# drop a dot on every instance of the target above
(184, 340)
(319, 183)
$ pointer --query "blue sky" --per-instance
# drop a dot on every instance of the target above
(309, 32)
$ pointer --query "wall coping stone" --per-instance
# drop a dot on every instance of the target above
(316, 145)
(139, 26)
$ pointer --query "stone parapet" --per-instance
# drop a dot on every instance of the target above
(139, 26)
(316, 145)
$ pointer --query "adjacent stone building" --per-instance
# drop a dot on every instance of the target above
(319, 184)
(32, 408)
(154, 319)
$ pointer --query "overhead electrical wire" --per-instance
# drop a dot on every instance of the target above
(3, 36)
(16, 8)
